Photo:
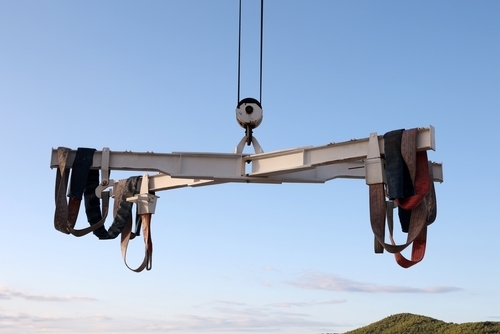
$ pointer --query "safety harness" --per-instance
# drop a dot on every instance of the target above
(83, 183)
(409, 186)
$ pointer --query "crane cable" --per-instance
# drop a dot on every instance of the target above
(261, 47)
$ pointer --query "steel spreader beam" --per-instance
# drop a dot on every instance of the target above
(299, 165)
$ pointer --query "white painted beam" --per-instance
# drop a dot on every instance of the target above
(300, 165)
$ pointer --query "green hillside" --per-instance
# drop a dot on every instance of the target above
(417, 324)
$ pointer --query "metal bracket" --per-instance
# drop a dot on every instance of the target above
(146, 202)
(374, 164)
(244, 140)
(105, 181)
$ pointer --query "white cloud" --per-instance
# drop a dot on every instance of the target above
(248, 319)
(267, 284)
(228, 320)
(231, 316)
(220, 302)
(224, 316)
(335, 283)
(306, 304)
(269, 268)
(8, 293)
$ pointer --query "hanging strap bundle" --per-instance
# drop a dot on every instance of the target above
(82, 184)
(409, 187)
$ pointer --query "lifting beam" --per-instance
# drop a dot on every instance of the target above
(349, 159)
(355, 159)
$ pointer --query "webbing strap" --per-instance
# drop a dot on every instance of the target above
(122, 210)
(83, 180)
(147, 262)
(78, 180)
(409, 151)
(97, 225)
(62, 177)
(399, 182)
(422, 183)
(419, 244)
(405, 168)
(378, 215)
(431, 198)
(93, 205)
(123, 222)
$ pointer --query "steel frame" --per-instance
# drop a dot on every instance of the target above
(355, 159)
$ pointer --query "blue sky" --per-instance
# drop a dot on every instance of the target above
(161, 76)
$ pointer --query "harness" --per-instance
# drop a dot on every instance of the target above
(409, 186)
(83, 183)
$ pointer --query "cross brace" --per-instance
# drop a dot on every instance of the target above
(356, 158)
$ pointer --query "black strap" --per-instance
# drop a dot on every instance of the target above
(83, 181)
(80, 171)
(399, 183)
(124, 209)
(93, 203)
(404, 218)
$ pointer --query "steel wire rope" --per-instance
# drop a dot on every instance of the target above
(261, 48)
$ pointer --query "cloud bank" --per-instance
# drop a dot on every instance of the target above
(229, 320)
(8, 293)
(307, 304)
(335, 283)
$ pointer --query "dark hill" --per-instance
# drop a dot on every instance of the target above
(417, 324)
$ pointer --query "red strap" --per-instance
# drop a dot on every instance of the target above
(417, 251)
(422, 183)
(419, 243)
(378, 212)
